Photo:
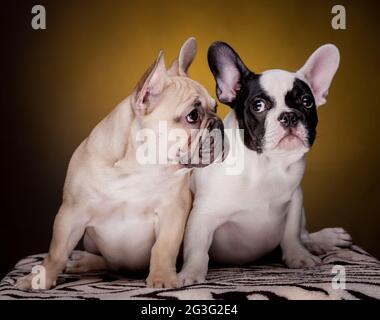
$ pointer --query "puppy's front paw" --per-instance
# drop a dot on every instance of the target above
(160, 279)
(299, 257)
(187, 278)
(30, 282)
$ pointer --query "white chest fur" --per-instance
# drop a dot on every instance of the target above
(251, 206)
(125, 213)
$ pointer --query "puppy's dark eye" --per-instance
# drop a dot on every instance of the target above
(307, 101)
(259, 105)
(193, 116)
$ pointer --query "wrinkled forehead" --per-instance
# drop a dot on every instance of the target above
(277, 83)
(188, 91)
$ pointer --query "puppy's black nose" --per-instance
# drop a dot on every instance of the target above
(288, 119)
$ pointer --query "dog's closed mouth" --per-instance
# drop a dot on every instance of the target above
(290, 141)
(290, 137)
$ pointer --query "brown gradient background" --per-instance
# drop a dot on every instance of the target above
(60, 82)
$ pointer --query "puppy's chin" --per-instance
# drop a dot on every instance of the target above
(290, 142)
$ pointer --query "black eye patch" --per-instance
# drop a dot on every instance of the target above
(293, 98)
(251, 122)
(308, 115)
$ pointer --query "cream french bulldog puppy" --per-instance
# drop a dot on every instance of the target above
(133, 215)
(237, 219)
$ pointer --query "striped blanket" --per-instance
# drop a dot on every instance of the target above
(345, 274)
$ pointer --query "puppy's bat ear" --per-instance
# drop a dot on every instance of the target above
(186, 56)
(320, 69)
(150, 86)
(228, 69)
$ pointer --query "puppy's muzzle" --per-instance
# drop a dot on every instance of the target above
(216, 139)
(215, 124)
(289, 119)
(211, 144)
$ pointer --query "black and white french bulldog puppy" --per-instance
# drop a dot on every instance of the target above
(237, 219)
